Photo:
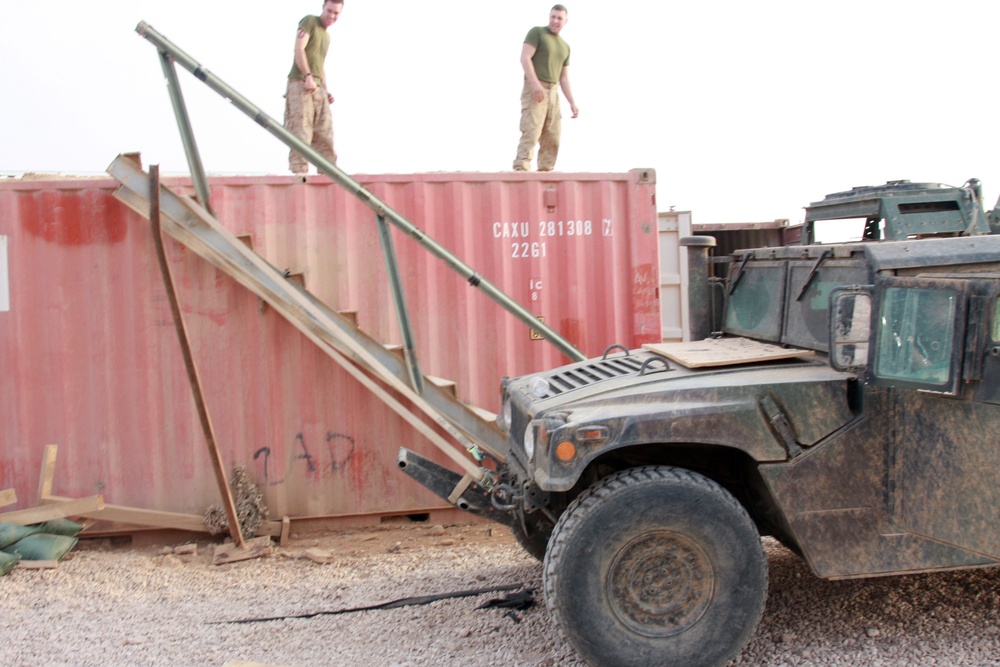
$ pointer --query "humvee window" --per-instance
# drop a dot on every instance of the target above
(754, 307)
(996, 319)
(915, 336)
(808, 321)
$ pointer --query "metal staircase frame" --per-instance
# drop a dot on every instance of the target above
(194, 225)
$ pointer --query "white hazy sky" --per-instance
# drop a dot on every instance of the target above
(748, 111)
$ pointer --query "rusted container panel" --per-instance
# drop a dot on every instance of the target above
(91, 360)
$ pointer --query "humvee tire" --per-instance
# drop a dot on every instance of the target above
(656, 565)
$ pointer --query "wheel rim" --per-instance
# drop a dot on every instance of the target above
(660, 584)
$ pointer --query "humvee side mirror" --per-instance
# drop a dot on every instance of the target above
(850, 327)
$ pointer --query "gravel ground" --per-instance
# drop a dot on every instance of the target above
(139, 606)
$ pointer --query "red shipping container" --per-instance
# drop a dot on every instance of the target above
(91, 360)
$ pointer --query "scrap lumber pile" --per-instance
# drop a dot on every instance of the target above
(40, 536)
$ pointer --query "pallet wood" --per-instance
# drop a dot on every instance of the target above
(7, 497)
(723, 352)
(48, 472)
(142, 517)
(230, 552)
(59, 509)
(37, 564)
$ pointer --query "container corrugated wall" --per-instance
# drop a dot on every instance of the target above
(91, 361)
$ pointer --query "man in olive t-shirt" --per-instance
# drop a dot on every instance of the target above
(308, 98)
(545, 61)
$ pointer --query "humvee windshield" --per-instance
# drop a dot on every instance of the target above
(755, 304)
(756, 308)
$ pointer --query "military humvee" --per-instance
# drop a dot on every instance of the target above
(847, 404)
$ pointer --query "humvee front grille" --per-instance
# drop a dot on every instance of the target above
(583, 376)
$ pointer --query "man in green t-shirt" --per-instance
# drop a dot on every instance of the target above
(545, 61)
(308, 97)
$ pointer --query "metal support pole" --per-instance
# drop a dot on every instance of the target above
(355, 188)
(700, 310)
(187, 134)
(199, 398)
(399, 300)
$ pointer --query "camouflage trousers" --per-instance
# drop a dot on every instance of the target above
(541, 123)
(307, 116)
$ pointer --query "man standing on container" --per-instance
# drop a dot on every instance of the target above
(545, 61)
(308, 99)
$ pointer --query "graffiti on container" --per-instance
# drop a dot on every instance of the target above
(331, 457)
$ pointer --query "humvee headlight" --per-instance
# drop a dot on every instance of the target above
(529, 441)
(539, 387)
(505, 414)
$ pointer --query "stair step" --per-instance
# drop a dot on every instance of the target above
(351, 315)
(442, 383)
(395, 348)
(483, 413)
(247, 240)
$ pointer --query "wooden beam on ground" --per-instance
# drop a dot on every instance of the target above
(143, 517)
(48, 472)
(38, 564)
(60, 509)
(8, 497)
(286, 528)
(231, 552)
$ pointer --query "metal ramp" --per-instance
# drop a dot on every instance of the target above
(193, 224)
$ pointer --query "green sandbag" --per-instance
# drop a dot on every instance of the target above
(42, 547)
(7, 562)
(11, 532)
(60, 527)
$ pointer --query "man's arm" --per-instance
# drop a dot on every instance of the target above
(527, 51)
(301, 39)
(567, 90)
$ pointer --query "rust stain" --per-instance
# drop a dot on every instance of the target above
(72, 220)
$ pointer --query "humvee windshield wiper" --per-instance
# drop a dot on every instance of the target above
(812, 274)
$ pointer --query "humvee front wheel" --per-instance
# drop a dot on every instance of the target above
(653, 566)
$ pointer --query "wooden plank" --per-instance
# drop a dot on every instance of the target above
(228, 504)
(8, 497)
(143, 517)
(286, 528)
(57, 510)
(723, 352)
(230, 552)
(37, 564)
(48, 472)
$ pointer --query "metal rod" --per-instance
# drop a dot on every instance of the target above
(355, 188)
(192, 371)
(399, 300)
(187, 133)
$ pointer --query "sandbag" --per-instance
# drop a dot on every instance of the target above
(11, 532)
(42, 546)
(7, 562)
(60, 527)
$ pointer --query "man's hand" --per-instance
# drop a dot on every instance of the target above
(538, 93)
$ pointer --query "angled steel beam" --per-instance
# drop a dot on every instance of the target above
(338, 176)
